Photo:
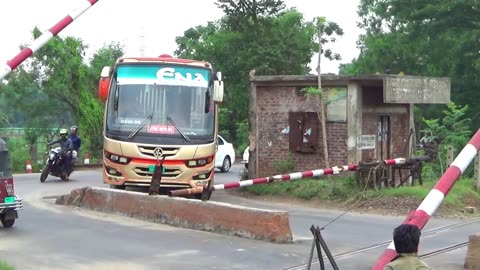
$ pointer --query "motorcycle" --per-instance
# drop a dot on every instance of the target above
(54, 165)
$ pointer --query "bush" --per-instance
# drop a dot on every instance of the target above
(453, 129)
(18, 153)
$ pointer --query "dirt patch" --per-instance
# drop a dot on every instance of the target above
(387, 206)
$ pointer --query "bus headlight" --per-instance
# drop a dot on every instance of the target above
(116, 158)
(198, 162)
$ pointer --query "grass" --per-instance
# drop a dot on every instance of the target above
(6, 266)
(309, 189)
(345, 190)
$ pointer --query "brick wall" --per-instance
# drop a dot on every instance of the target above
(274, 105)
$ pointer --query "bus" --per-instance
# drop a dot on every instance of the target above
(160, 108)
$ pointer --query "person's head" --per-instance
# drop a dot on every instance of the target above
(73, 130)
(63, 133)
(406, 238)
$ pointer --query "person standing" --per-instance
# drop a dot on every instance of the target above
(406, 238)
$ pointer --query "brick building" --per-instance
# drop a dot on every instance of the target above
(369, 117)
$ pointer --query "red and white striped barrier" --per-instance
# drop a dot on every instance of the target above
(300, 175)
(435, 197)
(284, 177)
(44, 38)
(28, 166)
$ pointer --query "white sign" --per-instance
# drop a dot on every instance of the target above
(365, 142)
(170, 76)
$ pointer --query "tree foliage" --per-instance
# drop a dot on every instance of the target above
(57, 86)
(262, 35)
(452, 129)
(424, 37)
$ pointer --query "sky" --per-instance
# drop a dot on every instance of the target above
(158, 21)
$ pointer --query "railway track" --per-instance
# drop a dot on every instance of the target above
(444, 250)
(426, 233)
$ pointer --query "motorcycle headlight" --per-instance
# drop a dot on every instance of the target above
(52, 156)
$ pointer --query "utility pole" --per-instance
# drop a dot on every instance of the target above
(322, 96)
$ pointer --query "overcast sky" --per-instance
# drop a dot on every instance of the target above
(158, 20)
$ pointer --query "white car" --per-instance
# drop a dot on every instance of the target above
(246, 154)
(225, 156)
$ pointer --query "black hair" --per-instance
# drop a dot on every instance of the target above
(406, 238)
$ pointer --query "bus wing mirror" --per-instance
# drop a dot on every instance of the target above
(218, 89)
(104, 84)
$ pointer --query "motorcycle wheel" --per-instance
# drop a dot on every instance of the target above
(45, 173)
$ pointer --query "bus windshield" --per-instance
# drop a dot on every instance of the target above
(160, 95)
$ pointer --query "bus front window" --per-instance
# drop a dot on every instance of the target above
(185, 105)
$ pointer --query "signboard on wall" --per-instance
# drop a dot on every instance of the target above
(414, 89)
(337, 105)
(365, 142)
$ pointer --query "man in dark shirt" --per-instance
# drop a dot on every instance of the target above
(77, 142)
(406, 238)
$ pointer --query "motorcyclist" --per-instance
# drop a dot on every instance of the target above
(77, 142)
(66, 146)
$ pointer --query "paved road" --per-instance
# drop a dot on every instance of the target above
(47, 236)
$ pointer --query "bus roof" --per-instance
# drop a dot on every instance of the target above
(164, 58)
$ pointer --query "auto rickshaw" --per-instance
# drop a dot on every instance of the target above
(9, 202)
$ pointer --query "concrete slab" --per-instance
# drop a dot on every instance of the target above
(217, 217)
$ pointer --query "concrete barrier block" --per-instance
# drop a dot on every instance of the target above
(472, 260)
(222, 218)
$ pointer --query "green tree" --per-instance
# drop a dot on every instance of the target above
(451, 130)
(105, 56)
(61, 71)
(260, 35)
(431, 38)
(58, 87)
(91, 109)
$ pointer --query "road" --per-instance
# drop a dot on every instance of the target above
(47, 236)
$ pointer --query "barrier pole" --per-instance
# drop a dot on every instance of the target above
(283, 177)
(435, 197)
(44, 38)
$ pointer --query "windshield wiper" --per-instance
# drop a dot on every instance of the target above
(149, 118)
(178, 129)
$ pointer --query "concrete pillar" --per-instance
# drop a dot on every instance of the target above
(253, 171)
(354, 121)
(472, 260)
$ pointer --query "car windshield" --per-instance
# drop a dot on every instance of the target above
(153, 105)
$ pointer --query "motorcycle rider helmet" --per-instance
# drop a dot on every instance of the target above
(63, 132)
(73, 128)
